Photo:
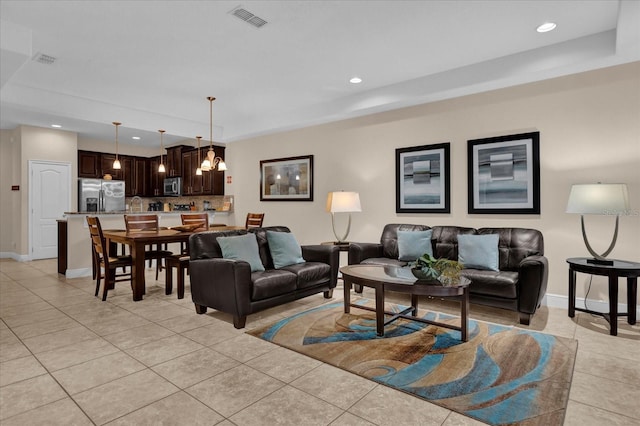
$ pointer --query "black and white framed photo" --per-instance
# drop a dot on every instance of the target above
(287, 179)
(422, 179)
(504, 174)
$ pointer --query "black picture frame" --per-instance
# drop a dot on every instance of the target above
(504, 174)
(287, 179)
(429, 190)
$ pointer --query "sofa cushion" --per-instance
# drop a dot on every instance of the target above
(478, 251)
(310, 274)
(272, 283)
(389, 238)
(445, 240)
(242, 247)
(413, 244)
(263, 243)
(284, 249)
(515, 244)
(492, 283)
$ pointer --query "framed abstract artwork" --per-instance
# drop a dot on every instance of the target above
(422, 179)
(287, 179)
(504, 174)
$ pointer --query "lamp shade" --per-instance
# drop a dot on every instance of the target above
(598, 198)
(343, 202)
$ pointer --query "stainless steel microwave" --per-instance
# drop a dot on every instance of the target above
(173, 187)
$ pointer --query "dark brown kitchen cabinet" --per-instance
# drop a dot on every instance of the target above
(191, 183)
(156, 181)
(128, 175)
(106, 166)
(214, 182)
(173, 162)
(89, 164)
(141, 178)
(135, 174)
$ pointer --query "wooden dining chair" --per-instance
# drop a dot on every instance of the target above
(192, 219)
(254, 220)
(148, 222)
(104, 262)
(181, 261)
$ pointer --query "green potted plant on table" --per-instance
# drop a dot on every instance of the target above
(427, 267)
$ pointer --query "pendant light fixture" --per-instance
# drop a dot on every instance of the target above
(116, 163)
(161, 166)
(211, 161)
(198, 169)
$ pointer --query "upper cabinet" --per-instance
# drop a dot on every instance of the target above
(173, 163)
(156, 181)
(191, 183)
(106, 166)
(89, 164)
(97, 164)
(209, 183)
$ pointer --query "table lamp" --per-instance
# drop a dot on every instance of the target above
(602, 199)
(342, 202)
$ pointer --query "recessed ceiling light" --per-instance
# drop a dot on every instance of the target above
(136, 138)
(57, 126)
(355, 80)
(546, 27)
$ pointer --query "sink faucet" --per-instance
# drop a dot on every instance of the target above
(136, 200)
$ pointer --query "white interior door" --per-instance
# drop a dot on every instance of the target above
(49, 198)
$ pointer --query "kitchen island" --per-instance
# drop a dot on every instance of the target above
(79, 243)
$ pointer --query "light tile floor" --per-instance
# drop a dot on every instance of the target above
(67, 358)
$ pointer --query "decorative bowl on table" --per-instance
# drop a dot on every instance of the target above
(423, 275)
(187, 228)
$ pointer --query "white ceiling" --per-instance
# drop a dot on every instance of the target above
(151, 64)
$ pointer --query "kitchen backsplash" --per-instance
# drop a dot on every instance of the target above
(217, 202)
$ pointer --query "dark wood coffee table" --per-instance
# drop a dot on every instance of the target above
(393, 278)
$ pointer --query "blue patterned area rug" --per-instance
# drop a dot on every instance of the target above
(502, 375)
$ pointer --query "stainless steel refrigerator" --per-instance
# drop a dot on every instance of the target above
(99, 195)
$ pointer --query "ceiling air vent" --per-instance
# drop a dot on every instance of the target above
(44, 59)
(249, 17)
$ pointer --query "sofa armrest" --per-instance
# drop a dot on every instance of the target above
(533, 273)
(329, 254)
(222, 284)
(361, 251)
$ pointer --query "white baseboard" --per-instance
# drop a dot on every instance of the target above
(560, 301)
(15, 256)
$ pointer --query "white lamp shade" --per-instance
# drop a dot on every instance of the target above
(343, 202)
(598, 198)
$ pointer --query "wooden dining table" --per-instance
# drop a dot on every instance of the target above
(138, 240)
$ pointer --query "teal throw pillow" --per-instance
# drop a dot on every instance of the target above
(413, 244)
(478, 251)
(242, 247)
(284, 249)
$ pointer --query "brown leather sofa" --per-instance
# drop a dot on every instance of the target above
(229, 285)
(519, 285)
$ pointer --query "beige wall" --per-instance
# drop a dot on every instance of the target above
(589, 131)
(10, 218)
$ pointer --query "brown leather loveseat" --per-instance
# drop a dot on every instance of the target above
(230, 286)
(519, 284)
